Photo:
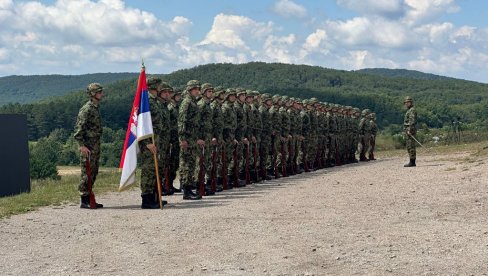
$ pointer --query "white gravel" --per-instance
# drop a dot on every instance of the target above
(374, 218)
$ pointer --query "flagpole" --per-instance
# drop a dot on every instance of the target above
(156, 167)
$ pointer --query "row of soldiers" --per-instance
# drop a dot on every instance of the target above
(219, 138)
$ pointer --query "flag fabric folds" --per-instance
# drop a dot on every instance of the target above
(139, 128)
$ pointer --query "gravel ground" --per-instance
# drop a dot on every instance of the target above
(374, 218)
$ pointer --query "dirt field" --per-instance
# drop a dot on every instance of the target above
(374, 218)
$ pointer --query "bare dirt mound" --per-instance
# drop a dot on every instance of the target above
(369, 218)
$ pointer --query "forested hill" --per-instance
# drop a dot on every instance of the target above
(27, 89)
(402, 73)
(437, 101)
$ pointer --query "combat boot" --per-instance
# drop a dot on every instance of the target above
(85, 202)
(188, 194)
(148, 202)
(410, 164)
(362, 158)
(371, 156)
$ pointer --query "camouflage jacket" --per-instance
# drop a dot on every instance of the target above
(267, 126)
(275, 120)
(173, 126)
(410, 121)
(305, 117)
(374, 127)
(241, 128)
(205, 125)
(230, 121)
(88, 125)
(285, 122)
(257, 126)
(217, 120)
(188, 120)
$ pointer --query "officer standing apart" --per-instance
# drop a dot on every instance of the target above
(410, 128)
(88, 132)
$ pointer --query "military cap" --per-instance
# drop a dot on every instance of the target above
(94, 88)
(153, 82)
(408, 99)
(206, 86)
(192, 84)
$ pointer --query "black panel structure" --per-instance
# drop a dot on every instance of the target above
(14, 155)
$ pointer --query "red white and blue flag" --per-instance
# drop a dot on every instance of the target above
(139, 128)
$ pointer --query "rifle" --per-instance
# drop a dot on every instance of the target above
(236, 168)
(225, 181)
(255, 163)
(93, 202)
(166, 172)
(201, 174)
(213, 173)
(248, 174)
(283, 159)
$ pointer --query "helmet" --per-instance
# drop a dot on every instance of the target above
(93, 88)
(408, 99)
(241, 91)
(192, 84)
(314, 100)
(205, 87)
(165, 86)
(229, 92)
(365, 112)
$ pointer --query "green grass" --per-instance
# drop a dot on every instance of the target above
(55, 192)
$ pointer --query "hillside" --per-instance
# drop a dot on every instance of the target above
(27, 89)
(402, 73)
(437, 101)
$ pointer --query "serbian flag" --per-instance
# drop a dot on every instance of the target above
(139, 128)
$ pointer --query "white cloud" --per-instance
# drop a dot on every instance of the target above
(288, 9)
(278, 49)
(231, 30)
(421, 10)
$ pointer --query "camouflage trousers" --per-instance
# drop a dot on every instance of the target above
(94, 164)
(292, 144)
(163, 158)
(174, 159)
(372, 144)
(264, 148)
(187, 167)
(363, 144)
(282, 154)
(148, 171)
(229, 155)
(411, 147)
(273, 150)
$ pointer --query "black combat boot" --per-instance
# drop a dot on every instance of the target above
(85, 202)
(411, 163)
(148, 202)
(220, 184)
(188, 194)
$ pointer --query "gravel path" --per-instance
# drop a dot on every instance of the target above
(374, 218)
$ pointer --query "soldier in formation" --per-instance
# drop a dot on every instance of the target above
(410, 128)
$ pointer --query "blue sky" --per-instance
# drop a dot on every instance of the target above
(445, 37)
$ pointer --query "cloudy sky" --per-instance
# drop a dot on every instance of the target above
(445, 37)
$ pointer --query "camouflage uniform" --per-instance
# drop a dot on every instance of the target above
(363, 135)
(205, 130)
(174, 151)
(88, 131)
(372, 140)
(163, 137)
(217, 132)
(312, 136)
(188, 120)
(275, 119)
(410, 125)
(266, 136)
(256, 129)
(241, 132)
(230, 125)
(304, 156)
(283, 153)
(148, 173)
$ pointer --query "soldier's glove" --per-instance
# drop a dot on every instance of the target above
(184, 145)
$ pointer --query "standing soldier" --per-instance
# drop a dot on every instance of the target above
(305, 155)
(164, 135)
(275, 119)
(205, 131)
(312, 138)
(372, 139)
(241, 134)
(410, 128)
(286, 136)
(363, 135)
(266, 132)
(149, 147)
(87, 133)
(230, 125)
(174, 147)
(217, 132)
(252, 125)
(190, 145)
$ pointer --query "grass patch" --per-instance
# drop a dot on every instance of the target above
(56, 192)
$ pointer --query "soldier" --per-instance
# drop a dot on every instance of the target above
(266, 135)
(163, 142)
(410, 128)
(149, 147)
(253, 130)
(190, 144)
(275, 119)
(174, 148)
(230, 125)
(217, 132)
(87, 133)
(364, 135)
(372, 139)
(305, 154)
(205, 131)
(241, 135)
(283, 153)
